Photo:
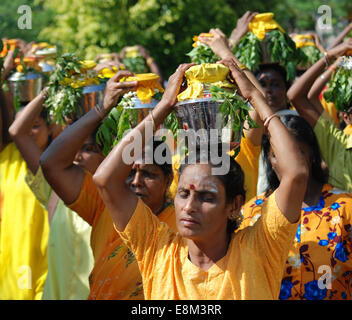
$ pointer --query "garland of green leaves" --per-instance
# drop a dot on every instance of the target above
(233, 107)
(63, 100)
(121, 118)
(340, 86)
(202, 54)
(310, 55)
(280, 47)
(136, 64)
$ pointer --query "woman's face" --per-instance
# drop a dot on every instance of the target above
(305, 151)
(200, 204)
(89, 156)
(149, 183)
(275, 89)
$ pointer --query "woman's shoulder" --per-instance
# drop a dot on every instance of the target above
(331, 194)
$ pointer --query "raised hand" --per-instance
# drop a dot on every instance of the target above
(218, 43)
(242, 27)
(174, 84)
(114, 89)
(341, 49)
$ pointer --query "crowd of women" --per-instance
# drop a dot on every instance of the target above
(75, 224)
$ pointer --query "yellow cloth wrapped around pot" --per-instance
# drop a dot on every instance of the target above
(262, 23)
(147, 85)
(303, 40)
(203, 75)
(87, 65)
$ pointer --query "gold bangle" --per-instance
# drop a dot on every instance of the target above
(151, 114)
(98, 113)
(267, 120)
(45, 94)
(326, 58)
(242, 66)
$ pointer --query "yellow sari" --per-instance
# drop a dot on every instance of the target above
(24, 230)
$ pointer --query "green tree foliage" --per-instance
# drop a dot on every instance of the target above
(164, 27)
(9, 19)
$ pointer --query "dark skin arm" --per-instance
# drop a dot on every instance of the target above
(65, 177)
(21, 128)
(319, 85)
(111, 175)
(341, 36)
(241, 28)
(298, 92)
(293, 166)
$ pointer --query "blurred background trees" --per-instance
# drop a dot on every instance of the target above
(164, 27)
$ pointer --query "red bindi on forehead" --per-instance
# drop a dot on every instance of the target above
(192, 187)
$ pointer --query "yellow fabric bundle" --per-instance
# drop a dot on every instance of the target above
(303, 40)
(203, 75)
(147, 85)
(262, 23)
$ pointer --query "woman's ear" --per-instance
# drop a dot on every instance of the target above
(235, 206)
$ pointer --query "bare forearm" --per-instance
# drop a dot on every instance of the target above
(302, 86)
(341, 36)
(25, 120)
(114, 169)
(63, 149)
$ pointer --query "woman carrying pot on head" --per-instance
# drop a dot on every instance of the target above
(115, 274)
(69, 255)
(335, 145)
(24, 223)
(206, 259)
(318, 266)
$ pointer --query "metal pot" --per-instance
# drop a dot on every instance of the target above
(205, 114)
(25, 86)
(92, 95)
(143, 108)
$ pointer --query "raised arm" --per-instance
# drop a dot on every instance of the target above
(218, 43)
(153, 66)
(241, 28)
(319, 84)
(292, 164)
(298, 92)
(9, 64)
(63, 175)
(341, 36)
(111, 175)
(21, 128)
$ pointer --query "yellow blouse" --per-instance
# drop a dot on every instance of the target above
(251, 269)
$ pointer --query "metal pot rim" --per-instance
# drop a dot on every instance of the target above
(18, 76)
(94, 88)
(184, 102)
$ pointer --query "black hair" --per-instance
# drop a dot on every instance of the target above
(6, 120)
(302, 132)
(156, 143)
(276, 67)
(233, 180)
